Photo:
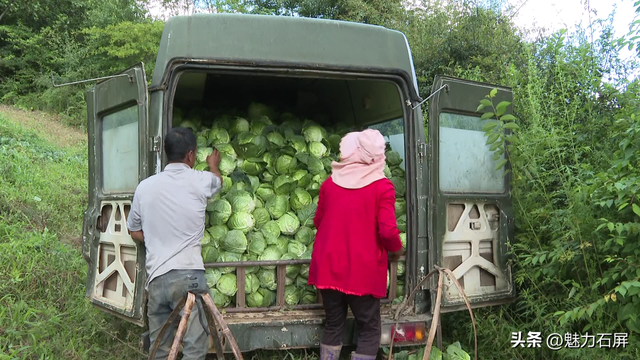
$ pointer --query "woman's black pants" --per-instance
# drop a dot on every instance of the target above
(366, 310)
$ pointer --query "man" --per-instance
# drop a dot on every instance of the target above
(167, 215)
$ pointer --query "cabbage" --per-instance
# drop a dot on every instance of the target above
(401, 207)
(271, 253)
(212, 276)
(401, 269)
(292, 270)
(313, 133)
(400, 289)
(400, 186)
(275, 138)
(220, 211)
(227, 183)
(304, 271)
(238, 126)
(227, 165)
(257, 243)
(250, 257)
(250, 145)
(261, 216)
(261, 298)
(206, 238)
(286, 164)
(265, 192)
(393, 158)
(403, 240)
(201, 167)
(209, 254)
(227, 284)
(402, 223)
(305, 235)
(282, 244)
(300, 199)
(387, 171)
(397, 172)
(268, 279)
(289, 223)
(228, 257)
(227, 150)
(203, 153)
(251, 167)
(201, 141)
(251, 283)
(235, 241)
(298, 143)
(296, 249)
(242, 221)
(218, 136)
(217, 232)
(283, 184)
(242, 201)
(271, 232)
(334, 140)
(318, 150)
(219, 299)
(278, 206)
(259, 125)
(291, 295)
(309, 297)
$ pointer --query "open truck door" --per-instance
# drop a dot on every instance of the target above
(117, 113)
(470, 217)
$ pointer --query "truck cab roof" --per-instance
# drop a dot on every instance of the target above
(303, 42)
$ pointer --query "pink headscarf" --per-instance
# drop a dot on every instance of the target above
(362, 159)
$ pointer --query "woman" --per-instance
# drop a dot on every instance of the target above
(357, 227)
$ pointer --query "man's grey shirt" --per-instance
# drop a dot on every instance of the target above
(169, 208)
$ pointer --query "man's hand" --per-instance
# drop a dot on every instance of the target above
(213, 161)
(395, 256)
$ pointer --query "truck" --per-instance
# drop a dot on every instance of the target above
(459, 212)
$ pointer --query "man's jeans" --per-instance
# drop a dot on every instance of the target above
(165, 292)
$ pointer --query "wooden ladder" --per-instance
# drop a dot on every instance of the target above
(215, 323)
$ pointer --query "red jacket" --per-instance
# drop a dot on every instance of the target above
(356, 229)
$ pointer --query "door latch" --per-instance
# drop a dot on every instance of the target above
(155, 143)
(422, 151)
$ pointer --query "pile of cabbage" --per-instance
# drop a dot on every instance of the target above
(396, 174)
(273, 165)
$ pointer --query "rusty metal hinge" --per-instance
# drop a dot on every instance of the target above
(155, 143)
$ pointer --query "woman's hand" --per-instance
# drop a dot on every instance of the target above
(395, 256)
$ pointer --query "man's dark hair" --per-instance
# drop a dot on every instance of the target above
(178, 142)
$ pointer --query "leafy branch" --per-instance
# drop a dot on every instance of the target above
(501, 141)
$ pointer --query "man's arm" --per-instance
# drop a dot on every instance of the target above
(134, 221)
(137, 236)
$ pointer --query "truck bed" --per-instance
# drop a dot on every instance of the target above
(278, 330)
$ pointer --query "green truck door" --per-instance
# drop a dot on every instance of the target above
(117, 127)
(470, 212)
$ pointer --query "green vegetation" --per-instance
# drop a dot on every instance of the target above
(575, 159)
(43, 312)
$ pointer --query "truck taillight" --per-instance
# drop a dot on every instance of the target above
(404, 333)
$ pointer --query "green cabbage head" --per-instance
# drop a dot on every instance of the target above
(235, 241)
(289, 223)
(227, 284)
